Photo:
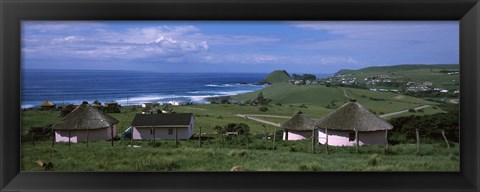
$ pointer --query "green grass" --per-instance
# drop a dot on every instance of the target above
(32, 118)
(277, 77)
(219, 156)
(318, 97)
(426, 111)
(417, 73)
(289, 156)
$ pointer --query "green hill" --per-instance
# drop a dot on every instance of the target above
(437, 74)
(276, 77)
(397, 68)
(333, 97)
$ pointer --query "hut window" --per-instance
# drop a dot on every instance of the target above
(170, 131)
(351, 137)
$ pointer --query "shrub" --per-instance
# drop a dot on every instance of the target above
(309, 167)
(412, 110)
(263, 109)
(373, 160)
(66, 110)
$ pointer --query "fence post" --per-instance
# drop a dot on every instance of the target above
(313, 140)
(448, 144)
(53, 137)
(176, 137)
(356, 138)
(418, 141)
(87, 136)
(266, 143)
(386, 141)
(326, 141)
(274, 136)
(200, 136)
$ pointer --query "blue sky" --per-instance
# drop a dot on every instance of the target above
(237, 46)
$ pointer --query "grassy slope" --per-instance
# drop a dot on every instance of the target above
(321, 96)
(289, 156)
(418, 73)
(277, 77)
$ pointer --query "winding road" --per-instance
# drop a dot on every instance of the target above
(403, 111)
(253, 116)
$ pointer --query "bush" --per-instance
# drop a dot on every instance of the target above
(263, 109)
(278, 104)
(373, 160)
(66, 110)
(412, 110)
(309, 167)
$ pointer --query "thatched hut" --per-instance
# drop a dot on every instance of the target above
(352, 124)
(298, 127)
(85, 123)
(47, 105)
(167, 108)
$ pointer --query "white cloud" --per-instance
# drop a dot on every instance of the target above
(381, 36)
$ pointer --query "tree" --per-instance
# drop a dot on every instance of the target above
(67, 110)
(263, 109)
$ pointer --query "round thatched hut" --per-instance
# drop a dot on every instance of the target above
(47, 105)
(85, 123)
(352, 124)
(298, 127)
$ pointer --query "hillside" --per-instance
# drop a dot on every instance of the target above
(397, 68)
(276, 77)
(399, 75)
(333, 97)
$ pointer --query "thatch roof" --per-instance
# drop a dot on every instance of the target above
(299, 122)
(96, 102)
(85, 117)
(353, 116)
(47, 103)
(167, 108)
(162, 120)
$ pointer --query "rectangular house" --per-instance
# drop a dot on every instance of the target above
(163, 126)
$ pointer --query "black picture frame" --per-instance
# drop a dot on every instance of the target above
(12, 12)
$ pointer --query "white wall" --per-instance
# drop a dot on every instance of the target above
(81, 135)
(341, 138)
(297, 135)
(144, 133)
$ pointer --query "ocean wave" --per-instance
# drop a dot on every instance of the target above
(26, 106)
(234, 85)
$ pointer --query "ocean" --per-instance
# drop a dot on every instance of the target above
(130, 87)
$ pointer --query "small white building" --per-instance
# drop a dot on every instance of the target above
(349, 120)
(85, 123)
(297, 128)
(163, 126)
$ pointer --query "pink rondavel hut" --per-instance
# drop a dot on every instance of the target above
(85, 123)
(352, 124)
(298, 127)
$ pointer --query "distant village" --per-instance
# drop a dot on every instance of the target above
(379, 83)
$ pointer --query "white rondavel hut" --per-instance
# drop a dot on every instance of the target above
(162, 126)
(352, 124)
(85, 123)
(298, 127)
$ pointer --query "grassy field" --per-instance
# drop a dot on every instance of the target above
(320, 96)
(213, 156)
(254, 155)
